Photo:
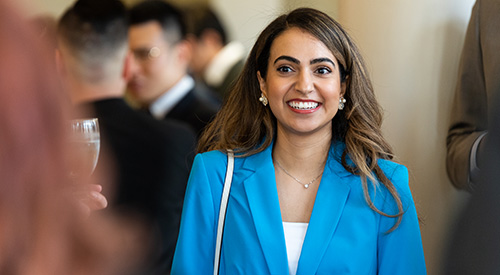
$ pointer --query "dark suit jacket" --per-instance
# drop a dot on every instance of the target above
(475, 246)
(478, 82)
(153, 159)
(195, 110)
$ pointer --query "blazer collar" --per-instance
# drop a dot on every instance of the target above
(262, 193)
(328, 207)
(254, 162)
(263, 201)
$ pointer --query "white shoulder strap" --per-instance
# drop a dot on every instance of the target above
(223, 208)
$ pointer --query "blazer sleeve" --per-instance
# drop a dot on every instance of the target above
(400, 251)
(469, 115)
(196, 242)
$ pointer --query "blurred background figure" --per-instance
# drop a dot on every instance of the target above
(475, 243)
(160, 82)
(474, 146)
(478, 83)
(152, 158)
(42, 229)
(216, 61)
(45, 27)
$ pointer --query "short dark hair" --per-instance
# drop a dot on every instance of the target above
(94, 28)
(169, 17)
(202, 18)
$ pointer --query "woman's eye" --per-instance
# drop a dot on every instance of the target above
(323, 70)
(284, 69)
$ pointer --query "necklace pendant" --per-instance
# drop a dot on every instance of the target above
(306, 186)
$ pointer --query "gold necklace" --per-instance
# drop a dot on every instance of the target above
(306, 185)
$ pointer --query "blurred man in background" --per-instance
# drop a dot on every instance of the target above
(478, 82)
(160, 82)
(152, 157)
(473, 159)
(216, 61)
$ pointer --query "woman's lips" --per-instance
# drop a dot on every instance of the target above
(303, 106)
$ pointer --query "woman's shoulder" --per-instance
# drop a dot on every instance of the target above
(213, 155)
(389, 165)
(209, 164)
(399, 177)
(211, 158)
(396, 172)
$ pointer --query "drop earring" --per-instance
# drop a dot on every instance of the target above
(342, 102)
(263, 99)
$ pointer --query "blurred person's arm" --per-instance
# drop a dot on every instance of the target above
(469, 117)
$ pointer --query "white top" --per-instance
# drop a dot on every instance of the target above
(223, 62)
(168, 100)
(295, 232)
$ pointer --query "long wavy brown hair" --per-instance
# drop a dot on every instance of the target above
(247, 127)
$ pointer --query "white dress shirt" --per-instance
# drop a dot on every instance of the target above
(166, 102)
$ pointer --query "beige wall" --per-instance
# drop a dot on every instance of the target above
(243, 19)
(328, 6)
(52, 7)
(413, 48)
(57, 7)
(246, 19)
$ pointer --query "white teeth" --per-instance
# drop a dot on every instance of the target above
(303, 105)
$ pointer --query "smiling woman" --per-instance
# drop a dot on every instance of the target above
(302, 84)
(314, 189)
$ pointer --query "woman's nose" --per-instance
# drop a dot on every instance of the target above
(304, 83)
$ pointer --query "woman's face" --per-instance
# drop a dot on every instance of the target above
(302, 83)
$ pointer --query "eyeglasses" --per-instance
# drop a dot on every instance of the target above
(143, 55)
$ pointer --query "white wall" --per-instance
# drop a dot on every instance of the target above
(412, 49)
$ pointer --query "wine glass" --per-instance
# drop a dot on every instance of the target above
(85, 143)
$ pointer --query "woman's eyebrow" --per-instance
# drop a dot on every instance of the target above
(286, 57)
(322, 59)
(296, 61)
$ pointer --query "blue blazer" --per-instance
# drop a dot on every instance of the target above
(344, 235)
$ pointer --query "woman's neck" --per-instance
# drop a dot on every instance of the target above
(299, 158)
(302, 153)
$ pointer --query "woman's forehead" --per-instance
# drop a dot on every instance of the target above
(297, 42)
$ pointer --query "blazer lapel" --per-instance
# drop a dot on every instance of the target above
(264, 206)
(328, 207)
(182, 107)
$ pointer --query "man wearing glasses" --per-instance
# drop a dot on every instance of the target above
(160, 81)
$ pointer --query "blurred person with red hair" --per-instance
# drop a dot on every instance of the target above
(41, 229)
